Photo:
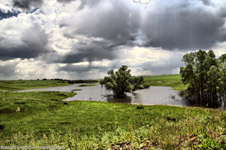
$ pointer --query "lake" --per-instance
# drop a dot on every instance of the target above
(154, 95)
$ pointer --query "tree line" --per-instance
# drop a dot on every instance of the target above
(205, 76)
(72, 81)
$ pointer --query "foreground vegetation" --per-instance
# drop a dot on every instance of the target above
(173, 81)
(43, 119)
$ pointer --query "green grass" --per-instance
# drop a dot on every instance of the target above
(173, 81)
(29, 84)
(86, 85)
(45, 120)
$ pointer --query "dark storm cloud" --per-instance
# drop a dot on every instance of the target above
(222, 11)
(116, 22)
(27, 4)
(175, 24)
(8, 14)
(83, 72)
(94, 51)
(34, 43)
(206, 2)
(113, 22)
(185, 25)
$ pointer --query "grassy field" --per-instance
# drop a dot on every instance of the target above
(43, 119)
(173, 81)
(29, 84)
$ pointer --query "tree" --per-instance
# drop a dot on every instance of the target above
(205, 77)
(213, 83)
(121, 82)
(222, 82)
(189, 75)
(212, 78)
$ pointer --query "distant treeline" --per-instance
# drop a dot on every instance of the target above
(73, 81)
(205, 76)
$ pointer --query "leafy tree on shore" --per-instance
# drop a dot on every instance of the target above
(121, 82)
(205, 76)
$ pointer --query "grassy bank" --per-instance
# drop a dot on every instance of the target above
(173, 81)
(43, 120)
(29, 84)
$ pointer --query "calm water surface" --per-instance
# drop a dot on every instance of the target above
(151, 96)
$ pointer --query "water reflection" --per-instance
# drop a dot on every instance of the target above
(152, 96)
(112, 99)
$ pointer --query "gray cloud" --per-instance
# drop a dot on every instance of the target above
(81, 68)
(84, 3)
(27, 4)
(119, 23)
(88, 3)
(175, 25)
(187, 25)
(206, 2)
(182, 25)
(84, 72)
(94, 51)
(165, 66)
(115, 24)
(222, 11)
(65, 1)
(34, 43)
(7, 71)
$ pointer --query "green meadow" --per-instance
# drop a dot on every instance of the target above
(43, 119)
(17, 85)
(173, 81)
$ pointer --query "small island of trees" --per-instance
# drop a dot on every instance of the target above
(121, 82)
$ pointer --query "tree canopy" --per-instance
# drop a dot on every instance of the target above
(205, 76)
(121, 82)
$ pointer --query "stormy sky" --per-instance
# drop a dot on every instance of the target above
(83, 39)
